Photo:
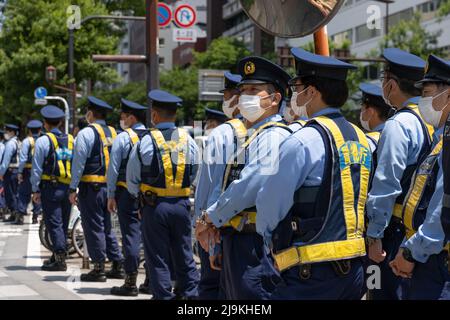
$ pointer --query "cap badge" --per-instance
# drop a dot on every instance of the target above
(249, 68)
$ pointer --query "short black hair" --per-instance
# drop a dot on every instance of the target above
(82, 123)
(407, 86)
(334, 92)
(165, 112)
(141, 116)
(53, 122)
(98, 113)
(35, 130)
(382, 112)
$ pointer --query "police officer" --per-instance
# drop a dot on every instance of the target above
(222, 142)
(132, 119)
(405, 139)
(50, 178)
(8, 169)
(25, 161)
(90, 162)
(423, 254)
(311, 212)
(213, 119)
(2, 190)
(244, 266)
(374, 113)
(292, 116)
(162, 166)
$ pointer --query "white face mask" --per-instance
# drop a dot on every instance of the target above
(288, 115)
(364, 123)
(226, 107)
(250, 107)
(299, 110)
(123, 125)
(386, 99)
(429, 114)
(7, 136)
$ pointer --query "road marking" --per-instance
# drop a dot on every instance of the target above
(16, 291)
(33, 248)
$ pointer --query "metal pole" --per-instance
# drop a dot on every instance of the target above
(151, 31)
(387, 19)
(66, 110)
(321, 42)
(72, 85)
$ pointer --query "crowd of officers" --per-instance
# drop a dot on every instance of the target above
(292, 201)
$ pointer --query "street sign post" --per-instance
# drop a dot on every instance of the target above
(185, 35)
(185, 16)
(40, 102)
(40, 93)
(210, 82)
(164, 15)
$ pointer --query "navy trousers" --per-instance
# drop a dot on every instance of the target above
(25, 191)
(167, 235)
(392, 287)
(2, 196)
(209, 285)
(430, 280)
(323, 284)
(10, 184)
(56, 207)
(130, 227)
(96, 221)
(247, 268)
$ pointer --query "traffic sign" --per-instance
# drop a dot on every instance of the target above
(40, 93)
(40, 102)
(185, 16)
(184, 35)
(164, 14)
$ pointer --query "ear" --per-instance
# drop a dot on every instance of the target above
(277, 98)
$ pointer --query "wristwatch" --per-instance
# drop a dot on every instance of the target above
(72, 190)
(202, 218)
(407, 255)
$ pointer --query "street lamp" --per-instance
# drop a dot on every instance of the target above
(387, 3)
(50, 74)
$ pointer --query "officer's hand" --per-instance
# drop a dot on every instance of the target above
(1, 178)
(216, 262)
(206, 237)
(376, 252)
(401, 267)
(112, 205)
(20, 178)
(73, 198)
(37, 198)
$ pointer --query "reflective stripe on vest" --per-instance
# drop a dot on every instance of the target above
(64, 167)
(173, 186)
(375, 136)
(30, 152)
(300, 122)
(247, 216)
(416, 192)
(105, 145)
(134, 138)
(349, 152)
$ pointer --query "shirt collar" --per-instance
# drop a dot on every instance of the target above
(413, 100)
(56, 131)
(379, 127)
(327, 110)
(138, 126)
(274, 117)
(165, 125)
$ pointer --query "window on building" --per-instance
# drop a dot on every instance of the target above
(363, 33)
(161, 60)
(162, 42)
(341, 37)
(429, 9)
(399, 16)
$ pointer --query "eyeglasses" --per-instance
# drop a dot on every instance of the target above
(298, 87)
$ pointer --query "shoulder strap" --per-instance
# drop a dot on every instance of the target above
(133, 136)
(413, 109)
(265, 126)
(300, 122)
(32, 142)
(238, 127)
(105, 142)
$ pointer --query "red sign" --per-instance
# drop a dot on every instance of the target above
(185, 16)
(164, 14)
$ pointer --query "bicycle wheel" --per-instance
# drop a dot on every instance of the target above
(78, 237)
(44, 237)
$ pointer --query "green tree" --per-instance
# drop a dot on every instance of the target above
(34, 36)
(444, 9)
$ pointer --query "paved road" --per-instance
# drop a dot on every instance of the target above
(21, 256)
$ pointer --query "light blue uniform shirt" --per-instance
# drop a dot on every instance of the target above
(145, 147)
(120, 150)
(23, 154)
(82, 151)
(41, 151)
(219, 148)
(10, 149)
(302, 162)
(429, 238)
(2, 150)
(378, 128)
(400, 144)
(262, 163)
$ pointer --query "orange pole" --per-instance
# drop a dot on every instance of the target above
(321, 42)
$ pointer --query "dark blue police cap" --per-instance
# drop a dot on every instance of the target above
(34, 124)
(52, 112)
(373, 95)
(215, 114)
(128, 105)
(11, 127)
(98, 104)
(231, 81)
(404, 64)
(310, 64)
(163, 99)
(257, 70)
(436, 70)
